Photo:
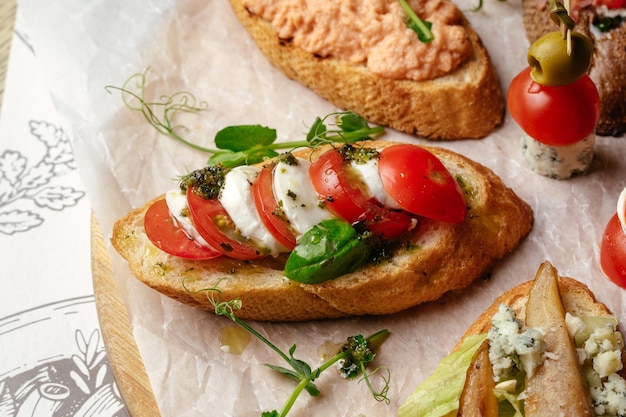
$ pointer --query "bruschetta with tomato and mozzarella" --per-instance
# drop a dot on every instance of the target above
(369, 228)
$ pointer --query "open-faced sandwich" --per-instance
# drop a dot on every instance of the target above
(544, 348)
(604, 22)
(416, 66)
(372, 227)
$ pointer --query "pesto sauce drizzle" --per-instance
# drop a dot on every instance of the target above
(207, 182)
(360, 154)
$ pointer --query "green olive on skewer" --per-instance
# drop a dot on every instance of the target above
(552, 65)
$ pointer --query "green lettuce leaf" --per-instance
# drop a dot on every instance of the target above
(439, 394)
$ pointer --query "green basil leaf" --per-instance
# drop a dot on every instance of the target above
(244, 137)
(330, 249)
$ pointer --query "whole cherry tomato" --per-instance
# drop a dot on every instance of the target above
(554, 116)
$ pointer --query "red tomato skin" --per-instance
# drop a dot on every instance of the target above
(610, 4)
(421, 184)
(331, 182)
(163, 232)
(202, 212)
(613, 252)
(554, 116)
(267, 206)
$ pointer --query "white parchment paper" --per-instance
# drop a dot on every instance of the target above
(200, 47)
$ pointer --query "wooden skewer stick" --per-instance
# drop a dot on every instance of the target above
(568, 32)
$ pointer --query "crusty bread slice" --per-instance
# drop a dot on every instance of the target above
(433, 259)
(465, 104)
(577, 298)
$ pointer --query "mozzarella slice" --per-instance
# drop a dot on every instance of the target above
(371, 179)
(177, 203)
(238, 201)
(297, 198)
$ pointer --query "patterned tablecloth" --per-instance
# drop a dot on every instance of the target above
(53, 361)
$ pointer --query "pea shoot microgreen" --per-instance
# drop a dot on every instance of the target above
(242, 144)
(352, 358)
(419, 26)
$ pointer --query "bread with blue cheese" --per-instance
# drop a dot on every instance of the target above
(595, 345)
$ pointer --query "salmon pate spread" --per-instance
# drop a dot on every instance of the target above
(372, 32)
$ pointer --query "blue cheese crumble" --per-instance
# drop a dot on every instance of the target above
(513, 348)
(599, 345)
(559, 162)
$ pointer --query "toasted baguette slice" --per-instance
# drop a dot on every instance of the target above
(563, 375)
(466, 103)
(577, 299)
(431, 260)
(608, 69)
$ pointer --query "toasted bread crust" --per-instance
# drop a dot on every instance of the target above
(465, 104)
(431, 260)
(578, 300)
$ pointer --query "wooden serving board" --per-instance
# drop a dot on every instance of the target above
(124, 357)
(7, 18)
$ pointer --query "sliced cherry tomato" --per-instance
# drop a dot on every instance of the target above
(204, 215)
(554, 116)
(332, 183)
(269, 210)
(421, 184)
(163, 232)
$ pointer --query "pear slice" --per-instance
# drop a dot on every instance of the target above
(477, 398)
(558, 387)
